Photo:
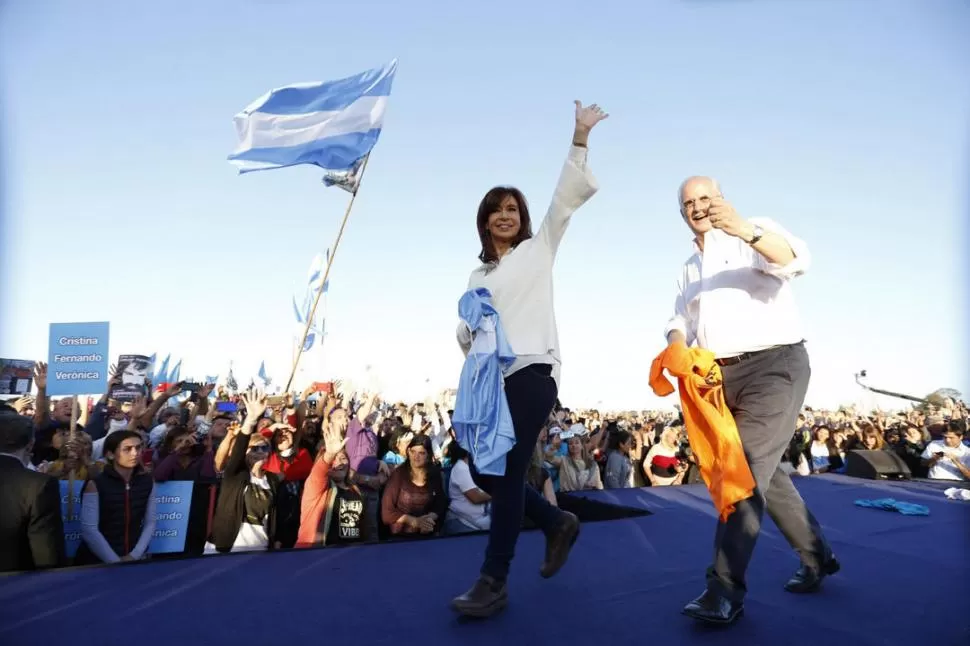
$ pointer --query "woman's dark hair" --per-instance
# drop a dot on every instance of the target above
(420, 439)
(297, 438)
(617, 438)
(168, 442)
(311, 435)
(433, 469)
(490, 204)
(455, 452)
(114, 440)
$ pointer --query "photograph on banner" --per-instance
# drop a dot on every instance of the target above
(135, 370)
(72, 524)
(16, 376)
(173, 500)
(77, 362)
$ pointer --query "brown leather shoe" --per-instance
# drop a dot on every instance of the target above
(485, 598)
(558, 544)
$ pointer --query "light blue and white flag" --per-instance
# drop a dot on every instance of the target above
(318, 267)
(173, 377)
(161, 375)
(262, 374)
(315, 283)
(333, 125)
(298, 312)
(311, 335)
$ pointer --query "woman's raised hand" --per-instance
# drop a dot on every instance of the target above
(255, 403)
(589, 116)
(333, 443)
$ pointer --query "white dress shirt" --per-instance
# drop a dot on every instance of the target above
(944, 469)
(521, 282)
(731, 300)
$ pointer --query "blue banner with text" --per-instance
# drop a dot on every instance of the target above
(173, 500)
(72, 516)
(77, 361)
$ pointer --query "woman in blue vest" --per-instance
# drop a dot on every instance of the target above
(118, 506)
(517, 272)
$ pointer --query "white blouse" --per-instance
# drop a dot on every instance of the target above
(521, 282)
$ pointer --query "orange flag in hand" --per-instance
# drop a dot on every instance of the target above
(710, 426)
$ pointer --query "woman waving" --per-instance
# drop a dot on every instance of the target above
(515, 281)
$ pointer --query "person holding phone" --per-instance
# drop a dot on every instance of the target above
(948, 458)
(516, 271)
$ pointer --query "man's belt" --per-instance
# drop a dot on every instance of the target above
(744, 356)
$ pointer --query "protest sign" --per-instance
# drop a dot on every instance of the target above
(72, 525)
(135, 370)
(173, 500)
(16, 376)
(77, 359)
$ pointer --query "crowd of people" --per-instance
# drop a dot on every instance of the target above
(334, 468)
(933, 445)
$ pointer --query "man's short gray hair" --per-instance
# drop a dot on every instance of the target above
(692, 178)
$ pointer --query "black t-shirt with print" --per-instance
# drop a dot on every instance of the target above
(346, 518)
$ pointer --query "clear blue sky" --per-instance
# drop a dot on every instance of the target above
(845, 121)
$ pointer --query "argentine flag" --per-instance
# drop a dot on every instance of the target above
(333, 125)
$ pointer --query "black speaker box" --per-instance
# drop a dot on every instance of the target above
(876, 465)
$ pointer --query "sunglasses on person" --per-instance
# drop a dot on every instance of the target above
(259, 448)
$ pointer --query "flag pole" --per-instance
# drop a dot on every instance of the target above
(326, 274)
(72, 472)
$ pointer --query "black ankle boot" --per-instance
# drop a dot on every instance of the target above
(485, 598)
(558, 544)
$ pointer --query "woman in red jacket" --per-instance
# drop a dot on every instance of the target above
(334, 510)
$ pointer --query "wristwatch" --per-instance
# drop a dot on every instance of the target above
(756, 234)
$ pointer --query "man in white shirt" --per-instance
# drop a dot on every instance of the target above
(949, 458)
(734, 299)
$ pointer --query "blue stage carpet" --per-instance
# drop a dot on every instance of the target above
(904, 581)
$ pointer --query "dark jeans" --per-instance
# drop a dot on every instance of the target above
(531, 393)
(765, 394)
